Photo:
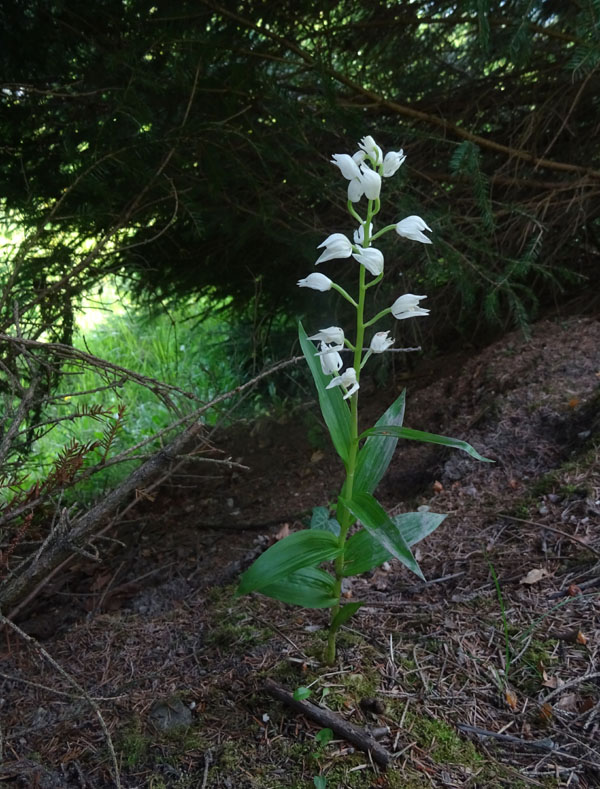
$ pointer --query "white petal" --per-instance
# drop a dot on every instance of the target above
(316, 282)
(347, 165)
(371, 259)
(371, 182)
(411, 228)
(381, 342)
(333, 335)
(407, 306)
(392, 162)
(331, 361)
(355, 190)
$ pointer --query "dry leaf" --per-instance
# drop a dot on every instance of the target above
(573, 402)
(283, 532)
(573, 590)
(511, 698)
(535, 575)
(437, 487)
(513, 483)
(546, 713)
(552, 682)
(568, 702)
(581, 639)
(317, 456)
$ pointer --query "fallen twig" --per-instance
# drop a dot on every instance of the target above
(553, 529)
(327, 718)
(537, 745)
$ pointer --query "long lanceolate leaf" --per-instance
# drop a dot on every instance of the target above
(380, 526)
(376, 455)
(363, 552)
(419, 435)
(306, 548)
(333, 406)
(308, 587)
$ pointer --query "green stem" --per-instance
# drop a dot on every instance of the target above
(378, 316)
(345, 517)
(344, 293)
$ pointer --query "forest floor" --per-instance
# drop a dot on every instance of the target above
(486, 676)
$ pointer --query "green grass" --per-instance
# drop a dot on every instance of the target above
(178, 349)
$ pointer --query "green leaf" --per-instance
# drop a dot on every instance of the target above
(363, 552)
(419, 435)
(302, 693)
(380, 526)
(343, 615)
(302, 549)
(376, 455)
(324, 737)
(334, 408)
(308, 587)
(320, 782)
(320, 520)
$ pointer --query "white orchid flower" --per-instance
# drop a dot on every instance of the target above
(370, 182)
(331, 361)
(347, 165)
(371, 149)
(334, 335)
(407, 306)
(359, 234)
(347, 380)
(412, 228)
(356, 189)
(392, 162)
(381, 342)
(336, 246)
(316, 282)
(371, 259)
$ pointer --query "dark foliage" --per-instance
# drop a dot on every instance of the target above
(185, 145)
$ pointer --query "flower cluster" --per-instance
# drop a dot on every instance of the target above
(364, 172)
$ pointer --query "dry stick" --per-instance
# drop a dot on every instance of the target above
(571, 684)
(327, 718)
(539, 745)
(83, 693)
(552, 529)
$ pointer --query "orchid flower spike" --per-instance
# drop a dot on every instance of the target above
(316, 282)
(334, 335)
(407, 306)
(412, 228)
(347, 380)
(381, 342)
(336, 246)
(392, 162)
(331, 361)
(371, 259)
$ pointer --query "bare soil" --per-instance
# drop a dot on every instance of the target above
(487, 675)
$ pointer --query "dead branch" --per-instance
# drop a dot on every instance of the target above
(62, 545)
(324, 717)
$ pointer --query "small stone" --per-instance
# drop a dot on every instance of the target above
(169, 714)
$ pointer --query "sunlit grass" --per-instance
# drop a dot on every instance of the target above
(178, 349)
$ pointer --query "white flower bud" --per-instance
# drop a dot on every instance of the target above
(407, 306)
(411, 227)
(316, 282)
